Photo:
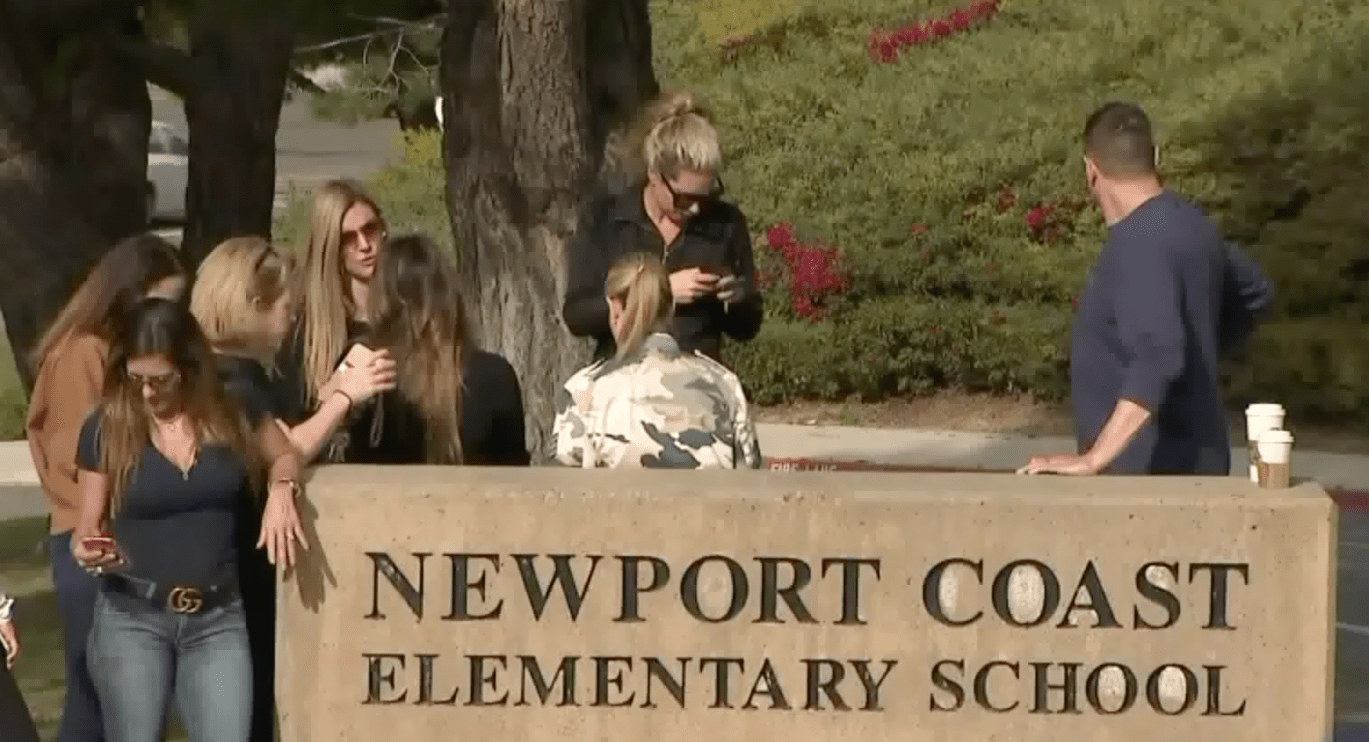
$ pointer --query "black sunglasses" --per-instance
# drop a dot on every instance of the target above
(684, 200)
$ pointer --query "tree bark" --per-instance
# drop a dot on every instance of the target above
(73, 157)
(531, 89)
(240, 57)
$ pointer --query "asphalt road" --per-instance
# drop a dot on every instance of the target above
(308, 150)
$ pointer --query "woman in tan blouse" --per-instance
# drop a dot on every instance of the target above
(70, 362)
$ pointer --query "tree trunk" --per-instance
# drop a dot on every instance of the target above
(240, 57)
(73, 155)
(538, 87)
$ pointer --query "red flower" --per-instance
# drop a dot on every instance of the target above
(781, 235)
(917, 229)
(884, 46)
(1037, 215)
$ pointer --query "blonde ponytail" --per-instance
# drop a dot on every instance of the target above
(673, 134)
(640, 282)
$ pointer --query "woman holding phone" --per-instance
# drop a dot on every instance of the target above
(166, 462)
(675, 212)
(70, 364)
(333, 305)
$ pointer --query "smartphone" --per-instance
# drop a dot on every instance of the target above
(107, 545)
(357, 356)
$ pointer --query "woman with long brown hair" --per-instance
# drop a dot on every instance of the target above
(455, 403)
(166, 462)
(653, 405)
(676, 212)
(242, 300)
(70, 363)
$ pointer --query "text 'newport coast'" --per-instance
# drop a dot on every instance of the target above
(759, 594)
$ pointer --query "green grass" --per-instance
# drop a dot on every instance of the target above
(41, 668)
(1260, 118)
(25, 572)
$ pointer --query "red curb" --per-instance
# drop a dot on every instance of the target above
(1347, 499)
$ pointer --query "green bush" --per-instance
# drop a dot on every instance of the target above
(411, 189)
(949, 181)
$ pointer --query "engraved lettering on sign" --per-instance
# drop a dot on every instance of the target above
(711, 596)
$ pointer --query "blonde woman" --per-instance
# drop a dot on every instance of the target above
(332, 297)
(242, 301)
(653, 405)
(675, 212)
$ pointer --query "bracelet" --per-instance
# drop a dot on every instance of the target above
(350, 402)
(6, 607)
(295, 489)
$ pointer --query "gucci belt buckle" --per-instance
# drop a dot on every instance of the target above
(185, 600)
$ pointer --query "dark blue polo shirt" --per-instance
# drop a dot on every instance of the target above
(1149, 329)
(178, 529)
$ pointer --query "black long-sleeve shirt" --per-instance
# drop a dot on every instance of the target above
(492, 426)
(1166, 297)
(716, 238)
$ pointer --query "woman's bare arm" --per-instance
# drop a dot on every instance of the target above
(309, 437)
(94, 502)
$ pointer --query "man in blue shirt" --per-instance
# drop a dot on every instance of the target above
(1165, 299)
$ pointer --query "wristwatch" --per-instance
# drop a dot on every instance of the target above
(6, 607)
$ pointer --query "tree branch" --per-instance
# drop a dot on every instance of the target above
(162, 64)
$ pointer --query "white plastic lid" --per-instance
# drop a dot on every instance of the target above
(1276, 436)
(1264, 408)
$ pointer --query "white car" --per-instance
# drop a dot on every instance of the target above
(168, 166)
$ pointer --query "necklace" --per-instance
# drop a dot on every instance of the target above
(183, 460)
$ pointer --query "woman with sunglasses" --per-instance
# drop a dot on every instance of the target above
(333, 307)
(167, 461)
(676, 212)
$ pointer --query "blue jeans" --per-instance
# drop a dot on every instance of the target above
(141, 654)
(76, 602)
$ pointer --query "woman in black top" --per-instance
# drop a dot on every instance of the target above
(242, 300)
(168, 460)
(455, 403)
(331, 297)
(675, 212)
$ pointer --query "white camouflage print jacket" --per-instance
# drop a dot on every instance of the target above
(657, 408)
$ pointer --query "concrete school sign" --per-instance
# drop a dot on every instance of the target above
(554, 604)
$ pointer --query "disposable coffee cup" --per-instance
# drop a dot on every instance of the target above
(1275, 448)
(1260, 417)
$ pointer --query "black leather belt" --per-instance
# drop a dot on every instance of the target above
(183, 599)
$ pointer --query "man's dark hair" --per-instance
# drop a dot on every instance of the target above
(1118, 138)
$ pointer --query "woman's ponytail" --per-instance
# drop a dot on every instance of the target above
(640, 282)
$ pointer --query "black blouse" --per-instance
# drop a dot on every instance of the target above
(716, 239)
(492, 428)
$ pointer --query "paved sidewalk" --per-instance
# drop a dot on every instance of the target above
(20, 497)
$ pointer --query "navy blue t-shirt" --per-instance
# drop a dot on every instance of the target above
(178, 529)
(1148, 329)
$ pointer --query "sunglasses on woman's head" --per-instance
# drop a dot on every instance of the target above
(685, 200)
